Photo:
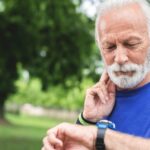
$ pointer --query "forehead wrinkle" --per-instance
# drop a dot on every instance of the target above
(121, 28)
(120, 37)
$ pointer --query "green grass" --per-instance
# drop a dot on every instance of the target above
(24, 133)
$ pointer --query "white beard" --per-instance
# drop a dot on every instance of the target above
(126, 81)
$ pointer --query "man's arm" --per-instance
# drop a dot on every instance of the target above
(119, 141)
(75, 137)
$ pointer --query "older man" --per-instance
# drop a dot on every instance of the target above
(122, 96)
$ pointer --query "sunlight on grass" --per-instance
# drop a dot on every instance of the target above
(24, 120)
(24, 133)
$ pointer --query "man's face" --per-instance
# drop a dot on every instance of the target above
(124, 43)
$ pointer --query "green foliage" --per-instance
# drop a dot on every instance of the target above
(50, 39)
(66, 43)
(55, 97)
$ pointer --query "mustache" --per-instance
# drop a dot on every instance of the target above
(125, 67)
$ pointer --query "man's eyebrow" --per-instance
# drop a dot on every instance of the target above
(105, 43)
(133, 38)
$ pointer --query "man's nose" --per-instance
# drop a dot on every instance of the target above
(121, 56)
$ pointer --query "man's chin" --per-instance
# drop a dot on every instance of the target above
(125, 83)
(125, 87)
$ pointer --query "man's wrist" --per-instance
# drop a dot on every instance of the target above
(89, 121)
(83, 121)
(93, 137)
(92, 119)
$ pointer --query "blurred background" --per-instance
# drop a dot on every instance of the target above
(48, 58)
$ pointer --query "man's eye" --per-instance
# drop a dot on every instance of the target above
(131, 45)
(112, 47)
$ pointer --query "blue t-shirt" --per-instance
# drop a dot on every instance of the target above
(131, 112)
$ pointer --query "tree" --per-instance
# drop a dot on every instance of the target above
(66, 43)
(50, 39)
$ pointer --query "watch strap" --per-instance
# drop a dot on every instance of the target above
(102, 126)
(100, 139)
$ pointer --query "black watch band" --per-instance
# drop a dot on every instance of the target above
(102, 126)
(100, 139)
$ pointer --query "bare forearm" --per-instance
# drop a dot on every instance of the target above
(119, 141)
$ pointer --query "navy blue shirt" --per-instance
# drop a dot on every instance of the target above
(131, 113)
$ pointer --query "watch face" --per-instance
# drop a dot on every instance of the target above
(102, 127)
(105, 124)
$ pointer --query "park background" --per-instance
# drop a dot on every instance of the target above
(48, 58)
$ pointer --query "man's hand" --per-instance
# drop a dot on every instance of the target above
(70, 137)
(100, 99)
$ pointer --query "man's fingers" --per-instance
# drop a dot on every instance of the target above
(102, 84)
(104, 77)
(103, 80)
(101, 96)
(111, 87)
(47, 145)
(53, 137)
(96, 92)
(111, 90)
(54, 141)
(103, 88)
(105, 91)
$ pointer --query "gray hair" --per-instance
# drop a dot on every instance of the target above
(107, 5)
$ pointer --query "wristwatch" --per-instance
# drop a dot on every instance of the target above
(102, 125)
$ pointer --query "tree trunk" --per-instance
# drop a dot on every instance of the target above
(2, 106)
